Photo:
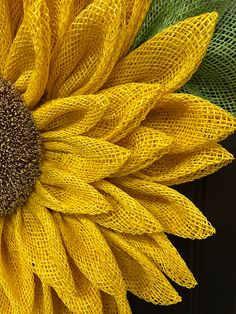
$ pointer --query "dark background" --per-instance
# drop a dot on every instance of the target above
(212, 261)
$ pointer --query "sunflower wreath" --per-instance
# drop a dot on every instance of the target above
(92, 136)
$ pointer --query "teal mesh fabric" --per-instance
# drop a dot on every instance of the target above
(215, 79)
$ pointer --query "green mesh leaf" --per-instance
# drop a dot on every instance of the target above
(215, 79)
(163, 13)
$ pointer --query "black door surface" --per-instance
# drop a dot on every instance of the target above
(213, 261)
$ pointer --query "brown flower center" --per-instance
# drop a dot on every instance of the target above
(20, 150)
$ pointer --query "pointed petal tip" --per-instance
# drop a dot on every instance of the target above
(213, 230)
(193, 284)
(208, 232)
(176, 299)
(211, 16)
(230, 158)
(214, 15)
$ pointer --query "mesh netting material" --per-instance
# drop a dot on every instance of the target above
(215, 79)
(115, 138)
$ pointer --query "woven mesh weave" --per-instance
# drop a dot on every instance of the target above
(163, 13)
(215, 79)
(115, 137)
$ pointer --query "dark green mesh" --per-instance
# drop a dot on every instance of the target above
(215, 79)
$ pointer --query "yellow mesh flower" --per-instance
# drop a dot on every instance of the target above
(114, 136)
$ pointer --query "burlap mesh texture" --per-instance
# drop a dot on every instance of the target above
(95, 224)
(215, 78)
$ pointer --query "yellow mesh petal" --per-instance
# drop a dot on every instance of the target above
(114, 305)
(176, 213)
(59, 306)
(174, 266)
(185, 167)
(1, 227)
(169, 58)
(11, 12)
(70, 116)
(164, 255)
(91, 254)
(90, 295)
(90, 298)
(141, 276)
(136, 11)
(68, 201)
(41, 245)
(146, 146)
(90, 159)
(109, 303)
(127, 215)
(5, 33)
(191, 121)
(128, 106)
(62, 14)
(43, 298)
(47, 300)
(16, 275)
(27, 64)
(89, 50)
(63, 191)
(27, 4)
(5, 305)
(16, 13)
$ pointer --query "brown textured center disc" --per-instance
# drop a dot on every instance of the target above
(20, 150)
